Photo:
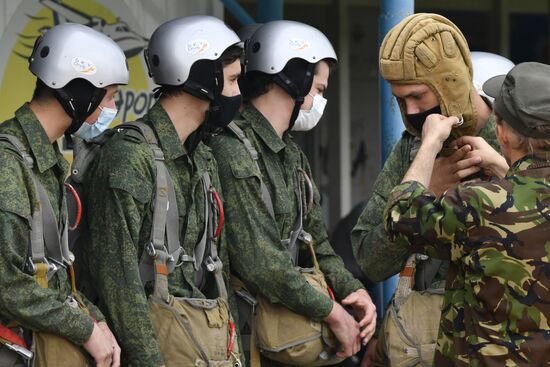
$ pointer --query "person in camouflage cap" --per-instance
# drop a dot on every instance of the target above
(287, 70)
(78, 71)
(495, 234)
(195, 61)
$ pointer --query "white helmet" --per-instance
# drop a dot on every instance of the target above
(69, 51)
(279, 48)
(187, 52)
(78, 63)
(177, 44)
(275, 43)
(487, 65)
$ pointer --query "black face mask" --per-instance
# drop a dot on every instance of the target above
(417, 119)
(222, 111)
(219, 115)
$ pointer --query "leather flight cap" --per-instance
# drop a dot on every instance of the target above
(522, 98)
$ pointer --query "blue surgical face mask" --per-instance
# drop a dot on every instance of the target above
(89, 131)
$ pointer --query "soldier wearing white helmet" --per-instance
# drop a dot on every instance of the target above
(67, 65)
(156, 250)
(78, 72)
(273, 211)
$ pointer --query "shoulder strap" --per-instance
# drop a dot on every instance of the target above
(42, 237)
(84, 153)
(163, 250)
(266, 197)
(302, 178)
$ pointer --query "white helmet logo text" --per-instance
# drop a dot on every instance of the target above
(298, 44)
(83, 66)
(197, 46)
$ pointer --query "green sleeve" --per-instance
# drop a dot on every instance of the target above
(118, 198)
(22, 299)
(256, 253)
(377, 256)
(93, 309)
(339, 278)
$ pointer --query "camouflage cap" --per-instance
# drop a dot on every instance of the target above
(522, 98)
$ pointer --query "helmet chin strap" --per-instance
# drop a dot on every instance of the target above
(297, 93)
(79, 98)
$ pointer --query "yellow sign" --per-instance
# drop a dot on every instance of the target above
(33, 17)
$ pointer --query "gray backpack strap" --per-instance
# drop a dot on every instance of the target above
(84, 153)
(41, 237)
(53, 241)
(266, 197)
(426, 271)
(160, 256)
(164, 249)
(304, 207)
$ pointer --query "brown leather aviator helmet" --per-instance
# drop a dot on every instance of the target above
(429, 49)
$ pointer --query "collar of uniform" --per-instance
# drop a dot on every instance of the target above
(528, 162)
(44, 152)
(166, 132)
(263, 128)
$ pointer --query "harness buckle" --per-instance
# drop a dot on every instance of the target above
(212, 264)
(29, 266)
(305, 237)
(151, 251)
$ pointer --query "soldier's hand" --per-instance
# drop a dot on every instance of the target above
(116, 348)
(365, 310)
(492, 162)
(346, 330)
(100, 347)
(436, 130)
(449, 171)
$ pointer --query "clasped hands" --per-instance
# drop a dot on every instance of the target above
(473, 154)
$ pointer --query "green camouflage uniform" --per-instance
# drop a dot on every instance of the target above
(120, 188)
(496, 235)
(377, 256)
(254, 238)
(22, 299)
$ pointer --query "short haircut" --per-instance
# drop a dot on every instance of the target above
(257, 83)
(42, 92)
(230, 55)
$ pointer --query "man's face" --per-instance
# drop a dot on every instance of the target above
(107, 101)
(231, 73)
(417, 97)
(319, 85)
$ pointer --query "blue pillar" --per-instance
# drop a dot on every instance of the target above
(268, 10)
(391, 13)
(238, 12)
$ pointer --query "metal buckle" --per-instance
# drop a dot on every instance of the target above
(29, 266)
(212, 264)
(305, 237)
(54, 264)
(151, 251)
